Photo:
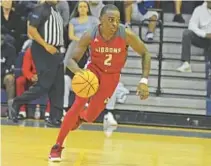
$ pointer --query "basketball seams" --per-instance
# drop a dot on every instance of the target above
(82, 89)
(77, 77)
(87, 76)
(89, 90)
(95, 83)
(85, 80)
(78, 83)
(91, 85)
(94, 86)
(91, 82)
(86, 88)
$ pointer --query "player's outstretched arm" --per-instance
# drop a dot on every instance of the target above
(78, 52)
(138, 46)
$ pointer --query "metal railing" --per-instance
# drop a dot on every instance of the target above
(207, 54)
(160, 42)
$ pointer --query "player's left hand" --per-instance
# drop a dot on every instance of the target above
(142, 91)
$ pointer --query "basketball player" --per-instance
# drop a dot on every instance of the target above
(108, 44)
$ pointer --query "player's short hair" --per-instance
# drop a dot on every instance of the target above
(108, 7)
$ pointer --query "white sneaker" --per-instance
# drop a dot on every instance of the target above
(47, 114)
(184, 68)
(109, 120)
(149, 36)
(127, 25)
(23, 114)
(109, 130)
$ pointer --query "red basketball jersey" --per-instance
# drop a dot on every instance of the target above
(108, 56)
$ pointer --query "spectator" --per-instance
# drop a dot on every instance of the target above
(7, 37)
(10, 22)
(139, 11)
(8, 56)
(198, 34)
(29, 78)
(81, 21)
(95, 7)
(120, 5)
(63, 9)
(23, 8)
(178, 15)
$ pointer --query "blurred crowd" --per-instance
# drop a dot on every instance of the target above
(15, 43)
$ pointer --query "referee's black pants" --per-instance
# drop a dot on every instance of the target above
(50, 71)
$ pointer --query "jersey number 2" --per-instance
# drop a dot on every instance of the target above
(108, 59)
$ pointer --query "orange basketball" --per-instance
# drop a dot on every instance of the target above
(85, 84)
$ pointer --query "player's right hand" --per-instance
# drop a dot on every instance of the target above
(34, 78)
(142, 91)
(51, 49)
(79, 70)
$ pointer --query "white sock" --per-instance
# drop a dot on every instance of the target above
(67, 84)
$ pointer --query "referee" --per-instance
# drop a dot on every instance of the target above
(46, 29)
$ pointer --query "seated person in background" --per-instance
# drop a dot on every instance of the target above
(10, 22)
(95, 7)
(8, 57)
(7, 37)
(81, 21)
(177, 7)
(64, 11)
(178, 15)
(23, 8)
(28, 78)
(198, 34)
(138, 11)
(121, 6)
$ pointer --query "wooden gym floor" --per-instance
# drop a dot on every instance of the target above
(23, 145)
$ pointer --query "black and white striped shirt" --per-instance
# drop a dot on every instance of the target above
(49, 23)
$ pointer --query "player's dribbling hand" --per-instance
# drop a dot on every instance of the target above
(79, 71)
(34, 78)
(143, 91)
(51, 49)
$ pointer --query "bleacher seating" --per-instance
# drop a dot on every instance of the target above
(3, 96)
(18, 72)
(183, 93)
(208, 77)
